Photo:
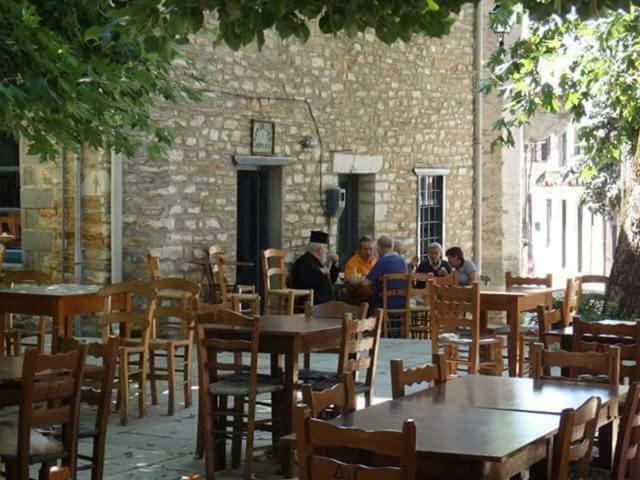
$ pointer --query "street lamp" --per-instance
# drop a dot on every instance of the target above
(499, 25)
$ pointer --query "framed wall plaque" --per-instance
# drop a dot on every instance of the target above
(262, 137)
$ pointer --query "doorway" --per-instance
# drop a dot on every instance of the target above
(348, 222)
(259, 220)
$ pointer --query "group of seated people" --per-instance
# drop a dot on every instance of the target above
(318, 270)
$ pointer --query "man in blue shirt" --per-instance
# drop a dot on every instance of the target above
(388, 262)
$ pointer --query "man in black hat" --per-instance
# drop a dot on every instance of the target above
(309, 271)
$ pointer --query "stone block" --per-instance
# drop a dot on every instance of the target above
(36, 198)
(37, 240)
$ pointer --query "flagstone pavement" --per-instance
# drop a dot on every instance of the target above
(161, 446)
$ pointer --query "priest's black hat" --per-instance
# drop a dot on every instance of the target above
(319, 237)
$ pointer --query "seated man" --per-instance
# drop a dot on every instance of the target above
(362, 262)
(309, 271)
(388, 262)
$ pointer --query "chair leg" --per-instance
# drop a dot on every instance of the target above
(521, 356)
(152, 377)
(171, 379)
(124, 388)
(367, 398)
(142, 385)
(236, 442)
(208, 443)
(251, 419)
(187, 376)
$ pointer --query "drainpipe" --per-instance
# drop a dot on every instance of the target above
(116, 217)
(77, 208)
(63, 231)
(477, 137)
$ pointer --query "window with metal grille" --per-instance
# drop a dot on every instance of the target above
(545, 149)
(10, 197)
(430, 211)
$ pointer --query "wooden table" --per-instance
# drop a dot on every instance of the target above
(59, 301)
(291, 335)
(566, 334)
(514, 301)
(528, 395)
(466, 443)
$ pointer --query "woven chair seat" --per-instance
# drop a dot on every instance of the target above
(465, 339)
(237, 388)
(311, 374)
(326, 383)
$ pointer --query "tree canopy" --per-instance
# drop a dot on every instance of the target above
(77, 71)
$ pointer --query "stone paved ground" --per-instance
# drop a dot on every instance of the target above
(161, 447)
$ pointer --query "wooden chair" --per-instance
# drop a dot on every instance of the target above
(596, 337)
(584, 366)
(273, 269)
(128, 345)
(626, 463)
(569, 305)
(395, 316)
(416, 312)
(320, 445)
(14, 337)
(548, 318)
(3, 251)
(583, 280)
(333, 309)
(153, 268)
(54, 381)
(574, 440)
(173, 339)
(220, 380)
(358, 351)
(455, 320)
(245, 300)
(434, 373)
(511, 280)
(97, 387)
(326, 404)
(217, 251)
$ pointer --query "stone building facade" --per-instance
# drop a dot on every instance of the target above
(379, 112)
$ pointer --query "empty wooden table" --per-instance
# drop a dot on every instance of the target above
(513, 300)
(465, 443)
(529, 395)
(291, 335)
(59, 301)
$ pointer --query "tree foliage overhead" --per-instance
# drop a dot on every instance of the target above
(590, 69)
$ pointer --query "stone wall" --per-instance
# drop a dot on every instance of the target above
(410, 104)
(43, 216)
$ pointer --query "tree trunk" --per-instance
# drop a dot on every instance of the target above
(624, 279)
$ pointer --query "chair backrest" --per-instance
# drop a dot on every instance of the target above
(450, 280)
(53, 380)
(273, 266)
(574, 441)
(335, 309)
(569, 302)
(394, 285)
(337, 400)
(3, 251)
(177, 315)
(141, 319)
(589, 279)
(26, 276)
(548, 319)
(596, 337)
(211, 346)
(454, 308)
(511, 280)
(319, 442)
(96, 390)
(626, 463)
(418, 287)
(220, 276)
(433, 374)
(153, 265)
(586, 366)
(359, 346)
